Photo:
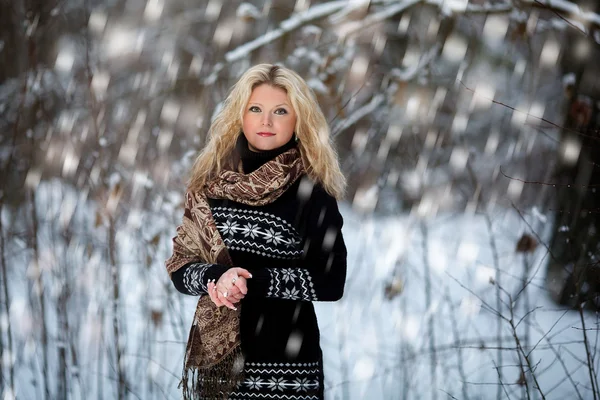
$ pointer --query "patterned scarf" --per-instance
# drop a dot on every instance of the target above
(213, 358)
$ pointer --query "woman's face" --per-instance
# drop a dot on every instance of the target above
(269, 119)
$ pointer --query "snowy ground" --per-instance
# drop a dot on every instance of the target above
(438, 338)
(382, 349)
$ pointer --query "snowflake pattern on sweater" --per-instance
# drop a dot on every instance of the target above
(290, 381)
(257, 232)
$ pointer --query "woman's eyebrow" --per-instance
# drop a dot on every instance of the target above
(282, 104)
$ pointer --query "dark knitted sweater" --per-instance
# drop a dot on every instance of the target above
(296, 253)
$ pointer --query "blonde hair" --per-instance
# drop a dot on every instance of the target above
(315, 145)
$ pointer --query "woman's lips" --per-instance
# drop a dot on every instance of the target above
(265, 134)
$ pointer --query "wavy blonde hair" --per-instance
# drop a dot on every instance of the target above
(316, 148)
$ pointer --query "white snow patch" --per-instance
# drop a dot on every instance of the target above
(247, 10)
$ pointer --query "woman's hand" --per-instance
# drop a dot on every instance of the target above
(230, 288)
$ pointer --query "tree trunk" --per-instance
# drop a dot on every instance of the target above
(6, 302)
(573, 274)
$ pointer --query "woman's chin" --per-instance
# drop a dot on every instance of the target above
(256, 147)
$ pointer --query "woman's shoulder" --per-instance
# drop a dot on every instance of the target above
(312, 191)
(317, 203)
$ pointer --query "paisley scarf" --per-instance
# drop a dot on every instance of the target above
(213, 362)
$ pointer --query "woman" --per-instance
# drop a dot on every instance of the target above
(260, 241)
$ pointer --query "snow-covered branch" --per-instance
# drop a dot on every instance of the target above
(349, 28)
(337, 11)
(404, 75)
(451, 7)
(296, 21)
(358, 114)
(411, 71)
(571, 10)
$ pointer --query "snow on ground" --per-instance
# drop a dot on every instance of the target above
(382, 349)
(437, 338)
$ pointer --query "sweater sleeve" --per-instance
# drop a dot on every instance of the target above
(192, 278)
(320, 275)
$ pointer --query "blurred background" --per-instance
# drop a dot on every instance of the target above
(469, 133)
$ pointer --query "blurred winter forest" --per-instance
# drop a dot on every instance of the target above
(468, 131)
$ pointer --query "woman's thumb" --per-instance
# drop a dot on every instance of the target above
(243, 272)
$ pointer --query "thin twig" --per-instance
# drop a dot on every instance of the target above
(588, 353)
(568, 185)
(518, 346)
(500, 378)
(548, 331)
(531, 116)
(430, 324)
(522, 352)
(455, 332)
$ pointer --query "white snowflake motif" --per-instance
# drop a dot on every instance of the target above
(194, 276)
(193, 279)
(291, 294)
(229, 227)
(272, 236)
(302, 384)
(288, 275)
(254, 382)
(251, 230)
(294, 242)
(277, 383)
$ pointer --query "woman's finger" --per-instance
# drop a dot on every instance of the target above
(210, 286)
(230, 279)
(241, 285)
(222, 291)
(242, 272)
(225, 301)
(233, 291)
(213, 294)
(226, 284)
(237, 297)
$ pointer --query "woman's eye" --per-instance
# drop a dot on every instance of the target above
(254, 109)
(281, 111)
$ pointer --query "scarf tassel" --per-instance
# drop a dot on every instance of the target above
(208, 383)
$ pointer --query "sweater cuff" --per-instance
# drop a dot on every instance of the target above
(258, 285)
(214, 272)
(193, 278)
(282, 283)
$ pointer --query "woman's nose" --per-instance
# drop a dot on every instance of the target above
(266, 120)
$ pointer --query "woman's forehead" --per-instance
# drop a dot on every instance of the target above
(267, 94)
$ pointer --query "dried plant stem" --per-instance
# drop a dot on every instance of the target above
(121, 388)
(523, 356)
(497, 284)
(430, 323)
(455, 332)
(588, 353)
(39, 289)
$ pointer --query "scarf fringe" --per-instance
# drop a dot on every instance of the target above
(208, 383)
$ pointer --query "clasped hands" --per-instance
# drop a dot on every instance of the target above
(230, 288)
